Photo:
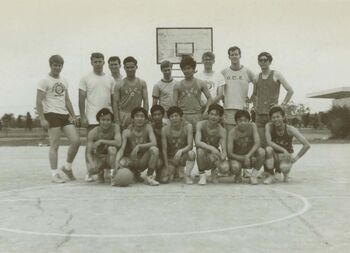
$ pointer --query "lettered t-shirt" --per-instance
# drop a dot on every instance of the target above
(213, 80)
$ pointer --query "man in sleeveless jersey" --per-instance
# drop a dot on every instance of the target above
(243, 147)
(139, 147)
(235, 90)
(102, 144)
(279, 152)
(130, 93)
(56, 114)
(187, 93)
(211, 145)
(95, 93)
(266, 93)
(177, 144)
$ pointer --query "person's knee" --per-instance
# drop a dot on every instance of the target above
(261, 153)
(112, 150)
(154, 151)
(235, 167)
(124, 163)
(224, 167)
(191, 155)
(268, 152)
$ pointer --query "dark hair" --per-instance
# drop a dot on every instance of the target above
(188, 61)
(268, 56)
(233, 49)
(129, 59)
(275, 109)
(216, 107)
(114, 58)
(56, 59)
(242, 113)
(165, 64)
(139, 109)
(157, 108)
(96, 55)
(209, 54)
(174, 109)
(103, 112)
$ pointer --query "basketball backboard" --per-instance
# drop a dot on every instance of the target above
(175, 42)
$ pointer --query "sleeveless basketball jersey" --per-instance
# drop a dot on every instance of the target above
(130, 95)
(211, 136)
(285, 140)
(135, 139)
(102, 149)
(190, 97)
(243, 141)
(268, 91)
(176, 142)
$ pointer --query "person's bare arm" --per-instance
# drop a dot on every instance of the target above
(306, 145)
(120, 153)
(207, 94)
(116, 108)
(256, 141)
(286, 85)
(90, 146)
(145, 96)
(40, 96)
(152, 138)
(220, 94)
(117, 141)
(82, 98)
(223, 137)
(176, 95)
(198, 139)
(155, 101)
(270, 142)
(165, 146)
(69, 107)
(189, 139)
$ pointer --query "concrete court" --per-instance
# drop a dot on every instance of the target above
(308, 214)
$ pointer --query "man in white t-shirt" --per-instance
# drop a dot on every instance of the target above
(235, 90)
(95, 93)
(56, 114)
(213, 79)
(163, 90)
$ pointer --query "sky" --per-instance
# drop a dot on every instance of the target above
(308, 39)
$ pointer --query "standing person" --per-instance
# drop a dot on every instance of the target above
(95, 93)
(102, 144)
(114, 65)
(29, 122)
(187, 93)
(177, 144)
(243, 147)
(130, 93)
(57, 114)
(235, 90)
(279, 152)
(163, 90)
(212, 78)
(139, 147)
(211, 145)
(266, 93)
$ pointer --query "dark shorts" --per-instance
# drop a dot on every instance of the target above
(57, 120)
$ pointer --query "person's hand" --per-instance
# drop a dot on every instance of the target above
(96, 144)
(74, 120)
(247, 161)
(178, 154)
(83, 121)
(294, 159)
(133, 154)
(45, 124)
(216, 152)
(223, 156)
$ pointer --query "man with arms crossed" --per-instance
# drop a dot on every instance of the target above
(95, 93)
(279, 138)
(210, 135)
(56, 114)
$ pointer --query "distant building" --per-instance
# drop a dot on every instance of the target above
(340, 96)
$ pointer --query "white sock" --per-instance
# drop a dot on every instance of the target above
(189, 167)
(68, 166)
(54, 172)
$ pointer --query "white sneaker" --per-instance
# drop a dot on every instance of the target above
(285, 177)
(188, 179)
(88, 178)
(57, 179)
(150, 180)
(268, 179)
(254, 177)
(202, 179)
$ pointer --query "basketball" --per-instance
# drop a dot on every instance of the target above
(124, 177)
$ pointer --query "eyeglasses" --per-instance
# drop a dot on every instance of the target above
(263, 60)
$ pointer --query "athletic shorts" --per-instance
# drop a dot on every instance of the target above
(57, 120)
(193, 118)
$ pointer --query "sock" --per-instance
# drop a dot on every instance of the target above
(189, 167)
(54, 172)
(68, 166)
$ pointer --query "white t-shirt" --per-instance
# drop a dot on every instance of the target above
(99, 89)
(55, 90)
(236, 87)
(164, 92)
(213, 81)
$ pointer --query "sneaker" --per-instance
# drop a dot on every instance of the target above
(238, 179)
(268, 179)
(69, 173)
(57, 179)
(254, 177)
(278, 176)
(202, 179)
(150, 181)
(188, 179)
(89, 178)
(285, 177)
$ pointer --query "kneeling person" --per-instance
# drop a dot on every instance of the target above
(177, 144)
(279, 138)
(243, 147)
(139, 147)
(210, 135)
(102, 145)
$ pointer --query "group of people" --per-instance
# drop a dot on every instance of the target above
(207, 108)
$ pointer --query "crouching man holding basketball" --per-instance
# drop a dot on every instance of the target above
(102, 144)
(279, 138)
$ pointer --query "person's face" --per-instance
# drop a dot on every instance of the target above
(235, 56)
(264, 63)
(188, 71)
(242, 122)
(139, 119)
(130, 69)
(166, 72)
(56, 68)
(277, 119)
(114, 66)
(208, 62)
(106, 121)
(157, 116)
(213, 116)
(175, 118)
(97, 64)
